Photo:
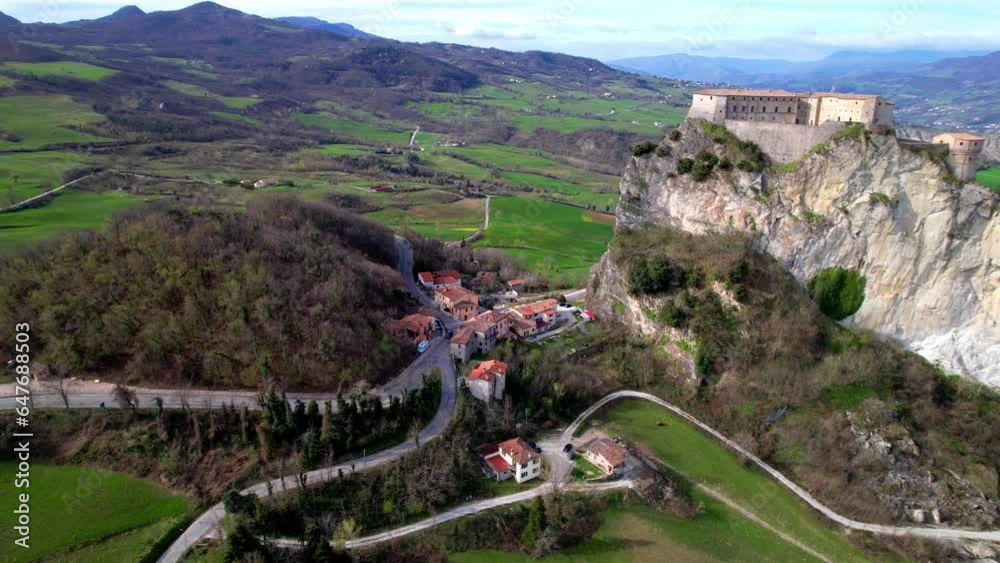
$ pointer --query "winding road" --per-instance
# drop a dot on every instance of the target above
(209, 523)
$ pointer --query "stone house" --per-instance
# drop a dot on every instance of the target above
(460, 303)
(487, 381)
(440, 279)
(414, 328)
(606, 454)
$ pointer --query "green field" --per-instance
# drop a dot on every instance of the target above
(43, 120)
(553, 239)
(990, 178)
(563, 190)
(133, 545)
(74, 505)
(232, 102)
(636, 533)
(676, 442)
(444, 221)
(70, 210)
(6, 82)
(354, 129)
(235, 117)
(24, 175)
(60, 68)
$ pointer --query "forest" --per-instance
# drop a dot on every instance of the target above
(288, 291)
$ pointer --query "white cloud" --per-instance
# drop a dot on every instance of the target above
(478, 31)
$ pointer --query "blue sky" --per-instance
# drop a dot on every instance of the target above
(623, 28)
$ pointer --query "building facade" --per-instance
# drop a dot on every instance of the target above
(487, 381)
(460, 303)
(513, 458)
(792, 108)
(963, 153)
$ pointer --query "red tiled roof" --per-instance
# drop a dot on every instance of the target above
(546, 306)
(462, 335)
(440, 277)
(498, 463)
(457, 294)
(518, 450)
(613, 452)
(488, 370)
(426, 276)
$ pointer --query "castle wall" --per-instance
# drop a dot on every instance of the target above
(783, 142)
(712, 108)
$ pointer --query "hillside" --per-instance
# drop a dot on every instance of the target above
(925, 247)
(315, 23)
(172, 296)
(868, 428)
(7, 20)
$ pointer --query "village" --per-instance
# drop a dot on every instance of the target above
(515, 316)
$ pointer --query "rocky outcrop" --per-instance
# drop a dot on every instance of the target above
(930, 250)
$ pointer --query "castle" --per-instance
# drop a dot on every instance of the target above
(792, 108)
(788, 124)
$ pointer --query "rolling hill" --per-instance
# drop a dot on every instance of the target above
(316, 23)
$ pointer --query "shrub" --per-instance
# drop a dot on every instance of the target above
(746, 166)
(653, 275)
(707, 157)
(879, 197)
(813, 217)
(672, 315)
(675, 135)
(643, 148)
(726, 164)
(684, 165)
(664, 151)
(839, 292)
(702, 170)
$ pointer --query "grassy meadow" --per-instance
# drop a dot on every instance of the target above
(990, 178)
(69, 69)
(45, 120)
(675, 442)
(557, 240)
(76, 505)
(70, 210)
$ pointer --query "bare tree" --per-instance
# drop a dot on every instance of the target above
(158, 401)
(61, 387)
(414, 433)
(125, 397)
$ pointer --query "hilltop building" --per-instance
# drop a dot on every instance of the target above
(794, 108)
(788, 124)
(963, 153)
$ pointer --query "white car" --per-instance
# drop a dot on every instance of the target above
(423, 346)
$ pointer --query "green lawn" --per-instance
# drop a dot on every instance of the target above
(72, 505)
(23, 175)
(70, 210)
(990, 177)
(636, 533)
(553, 239)
(6, 82)
(346, 150)
(60, 68)
(43, 120)
(704, 460)
(235, 117)
(583, 469)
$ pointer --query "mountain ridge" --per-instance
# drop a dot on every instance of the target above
(340, 28)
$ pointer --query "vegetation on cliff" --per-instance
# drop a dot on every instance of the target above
(839, 292)
(802, 392)
(181, 296)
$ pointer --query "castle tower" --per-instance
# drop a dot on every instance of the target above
(963, 153)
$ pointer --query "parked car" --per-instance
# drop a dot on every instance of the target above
(423, 346)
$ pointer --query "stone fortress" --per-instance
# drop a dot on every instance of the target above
(788, 124)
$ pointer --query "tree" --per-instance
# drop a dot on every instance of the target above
(240, 542)
(125, 397)
(536, 525)
(317, 548)
(158, 401)
(684, 165)
(61, 387)
(839, 292)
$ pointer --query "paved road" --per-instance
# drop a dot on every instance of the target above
(925, 532)
(209, 523)
(466, 510)
(41, 195)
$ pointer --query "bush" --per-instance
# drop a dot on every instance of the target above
(663, 151)
(643, 148)
(746, 166)
(839, 292)
(708, 157)
(675, 135)
(672, 315)
(702, 170)
(653, 275)
(726, 164)
(684, 165)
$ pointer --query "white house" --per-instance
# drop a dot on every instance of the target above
(487, 381)
(513, 458)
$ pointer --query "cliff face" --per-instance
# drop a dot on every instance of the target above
(930, 250)
(991, 149)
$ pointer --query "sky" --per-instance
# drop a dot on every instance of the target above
(610, 30)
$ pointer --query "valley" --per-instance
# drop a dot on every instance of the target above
(298, 291)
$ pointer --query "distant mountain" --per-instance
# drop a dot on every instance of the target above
(316, 23)
(778, 72)
(7, 20)
(124, 13)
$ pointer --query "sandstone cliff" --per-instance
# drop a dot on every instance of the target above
(930, 250)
